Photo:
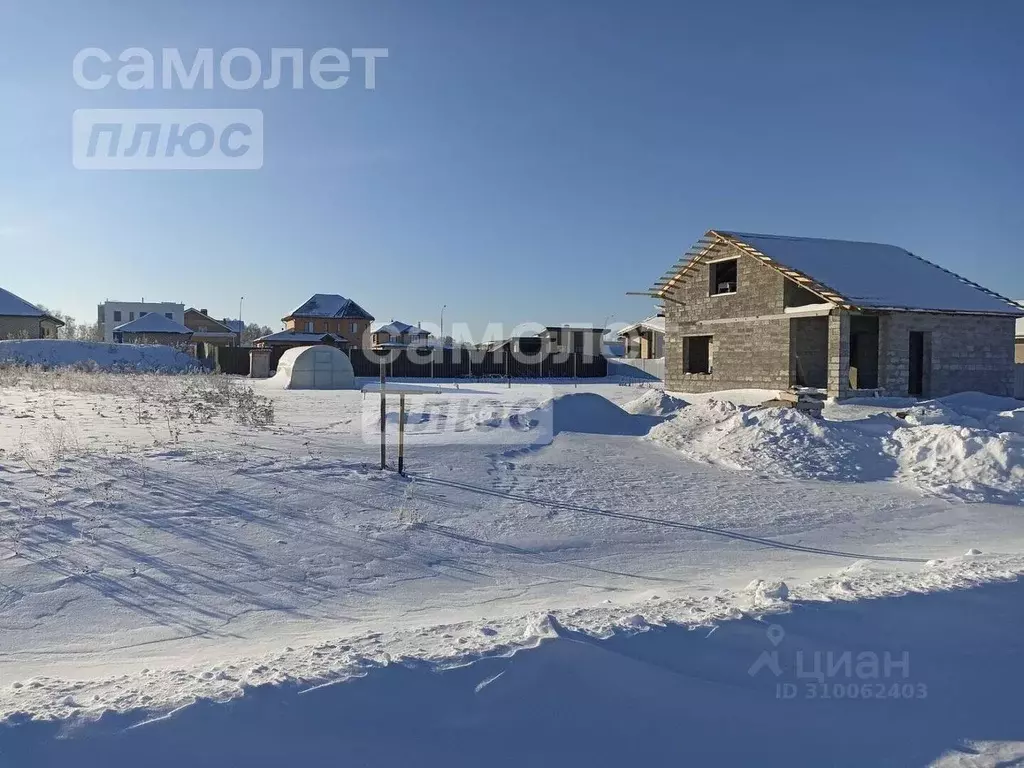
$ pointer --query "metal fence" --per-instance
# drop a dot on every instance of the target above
(473, 363)
(233, 360)
(634, 368)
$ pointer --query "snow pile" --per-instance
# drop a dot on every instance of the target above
(90, 355)
(966, 446)
(775, 441)
(590, 413)
(969, 446)
(654, 402)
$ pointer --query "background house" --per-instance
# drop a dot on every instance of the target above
(325, 318)
(765, 311)
(398, 334)
(330, 313)
(556, 339)
(207, 333)
(1019, 345)
(21, 320)
(152, 328)
(283, 340)
(111, 314)
(207, 330)
(645, 340)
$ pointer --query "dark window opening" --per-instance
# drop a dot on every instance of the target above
(117, 315)
(697, 354)
(918, 363)
(168, 315)
(723, 277)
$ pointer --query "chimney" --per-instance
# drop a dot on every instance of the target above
(204, 312)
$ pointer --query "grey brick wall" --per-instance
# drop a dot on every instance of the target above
(745, 355)
(839, 354)
(968, 353)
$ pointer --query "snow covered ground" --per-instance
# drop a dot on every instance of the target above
(165, 539)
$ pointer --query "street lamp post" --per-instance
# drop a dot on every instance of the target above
(241, 325)
(441, 335)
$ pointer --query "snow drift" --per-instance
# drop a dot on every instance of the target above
(589, 413)
(654, 402)
(91, 355)
(968, 446)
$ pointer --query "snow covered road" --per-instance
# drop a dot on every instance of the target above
(647, 696)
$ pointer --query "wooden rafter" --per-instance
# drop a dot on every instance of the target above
(819, 289)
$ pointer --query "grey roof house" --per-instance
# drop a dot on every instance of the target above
(21, 320)
(397, 334)
(766, 311)
(152, 328)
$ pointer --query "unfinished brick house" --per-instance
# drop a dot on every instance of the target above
(771, 312)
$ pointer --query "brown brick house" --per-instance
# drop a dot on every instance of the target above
(210, 332)
(770, 312)
(21, 320)
(331, 313)
(326, 318)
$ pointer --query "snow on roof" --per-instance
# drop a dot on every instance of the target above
(16, 306)
(397, 327)
(152, 322)
(299, 336)
(655, 323)
(876, 275)
(236, 326)
(330, 305)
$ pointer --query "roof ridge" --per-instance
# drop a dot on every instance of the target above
(737, 233)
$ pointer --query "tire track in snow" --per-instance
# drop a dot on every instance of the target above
(773, 543)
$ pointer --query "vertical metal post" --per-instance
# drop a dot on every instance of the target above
(401, 433)
(575, 357)
(383, 418)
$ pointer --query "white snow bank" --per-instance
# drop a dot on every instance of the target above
(90, 355)
(589, 413)
(655, 402)
(653, 689)
(968, 446)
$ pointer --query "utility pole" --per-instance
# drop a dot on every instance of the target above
(241, 325)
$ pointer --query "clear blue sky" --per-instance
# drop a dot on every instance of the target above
(520, 160)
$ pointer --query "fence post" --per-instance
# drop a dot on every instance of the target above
(383, 418)
(401, 433)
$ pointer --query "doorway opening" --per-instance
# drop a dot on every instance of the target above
(919, 364)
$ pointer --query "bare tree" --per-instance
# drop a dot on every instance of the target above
(253, 331)
(89, 332)
(70, 328)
